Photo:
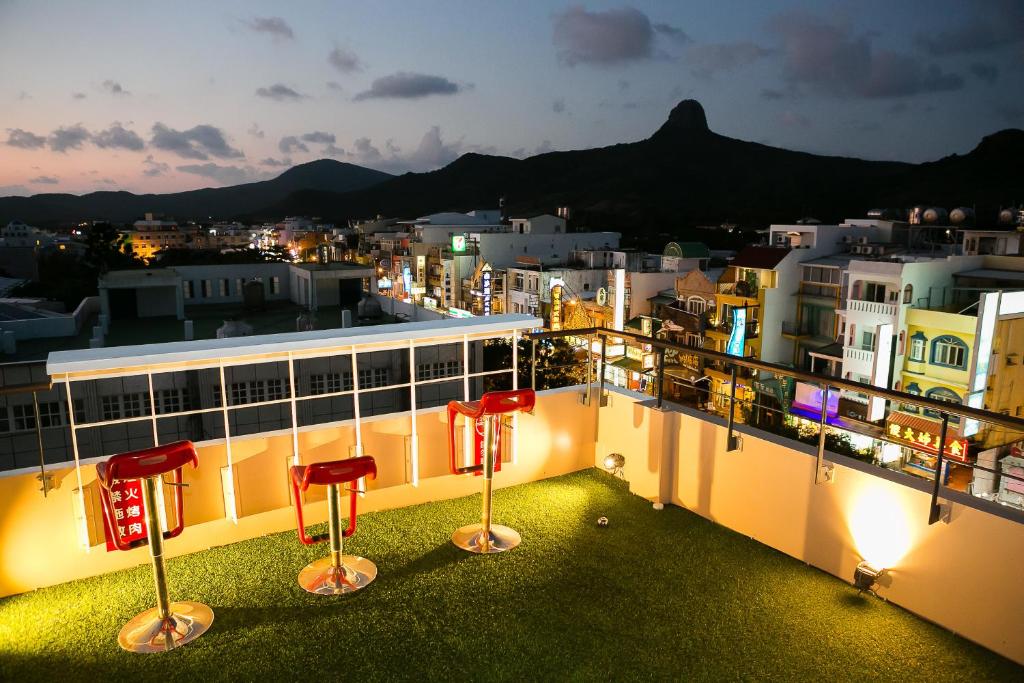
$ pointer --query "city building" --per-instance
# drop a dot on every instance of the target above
(148, 236)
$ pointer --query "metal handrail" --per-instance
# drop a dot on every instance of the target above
(1007, 421)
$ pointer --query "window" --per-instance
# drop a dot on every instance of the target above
(329, 383)
(915, 389)
(518, 282)
(135, 405)
(275, 390)
(373, 377)
(207, 289)
(428, 371)
(49, 414)
(275, 285)
(111, 407)
(874, 291)
(867, 340)
(224, 284)
(24, 417)
(917, 344)
(949, 351)
(908, 294)
(942, 394)
(696, 305)
(239, 282)
(186, 287)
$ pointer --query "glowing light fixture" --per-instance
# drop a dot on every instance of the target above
(614, 462)
(879, 527)
(866, 576)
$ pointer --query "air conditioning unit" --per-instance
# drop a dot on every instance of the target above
(862, 240)
(847, 239)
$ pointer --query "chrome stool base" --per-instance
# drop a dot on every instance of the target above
(323, 578)
(501, 538)
(147, 632)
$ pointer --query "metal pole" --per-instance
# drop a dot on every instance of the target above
(39, 442)
(821, 435)
(935, 511)
(334, 523)
(491, 435)
(533, 364)
(156, 545)
(604, 359)
(590, 366)
(731, 438)
(661, 375)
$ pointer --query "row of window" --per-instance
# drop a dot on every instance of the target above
(22, 417)
(428, 371)
(223, 287)
(946, 350)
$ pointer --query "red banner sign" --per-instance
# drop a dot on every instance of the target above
(129, 513)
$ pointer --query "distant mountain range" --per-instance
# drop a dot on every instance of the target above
(325, 175)
(683, 175)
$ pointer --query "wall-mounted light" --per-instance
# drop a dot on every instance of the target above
(866, 576)
(614, 462)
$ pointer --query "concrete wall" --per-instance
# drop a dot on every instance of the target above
(244, 271)
(157, 301)
(410, 311)
(39, 537)
(964, 575)
(501, 249)
(39, 328)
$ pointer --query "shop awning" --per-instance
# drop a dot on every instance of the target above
(922, 433)
(628, 364)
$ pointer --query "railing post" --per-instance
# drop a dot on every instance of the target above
(935, 510)
(39, 441)
(604, 359)
(590, 366)
(661, 375)
(533, 364)
(731, 441)
(821, 473)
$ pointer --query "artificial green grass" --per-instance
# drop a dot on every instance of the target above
(656, 595)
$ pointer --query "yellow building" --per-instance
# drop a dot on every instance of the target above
(149, 236)
(741, 288)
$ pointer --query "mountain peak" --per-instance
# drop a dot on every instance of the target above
(686, 119)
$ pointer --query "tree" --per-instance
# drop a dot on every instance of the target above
(104, 250)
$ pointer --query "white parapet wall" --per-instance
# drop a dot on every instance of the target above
(963, 575)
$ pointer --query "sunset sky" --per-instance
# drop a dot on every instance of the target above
(159, 97)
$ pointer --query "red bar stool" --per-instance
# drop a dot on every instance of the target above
(169, 624)
(485, 415)
(337, 574)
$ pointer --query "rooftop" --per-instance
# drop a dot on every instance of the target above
(765, 258)
(574, 601)
(992, 274)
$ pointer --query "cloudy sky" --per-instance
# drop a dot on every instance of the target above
(158, 97)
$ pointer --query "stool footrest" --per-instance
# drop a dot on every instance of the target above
(147, 632)
(323, 578)
(501, 538)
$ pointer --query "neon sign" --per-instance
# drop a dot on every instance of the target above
(486, 276)
(926, 441)
(738, 336)
(556, 307)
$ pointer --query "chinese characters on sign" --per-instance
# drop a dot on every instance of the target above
(486, 276)
(128, 512)
(926, 441)
(556, 307)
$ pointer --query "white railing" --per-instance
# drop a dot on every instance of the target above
(874, 307)
(229, 378)
(852, 353)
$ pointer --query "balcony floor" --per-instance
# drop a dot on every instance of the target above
(663, 595)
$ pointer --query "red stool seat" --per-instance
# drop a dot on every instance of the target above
(169, 624)
(339, 573)
(485, 417)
